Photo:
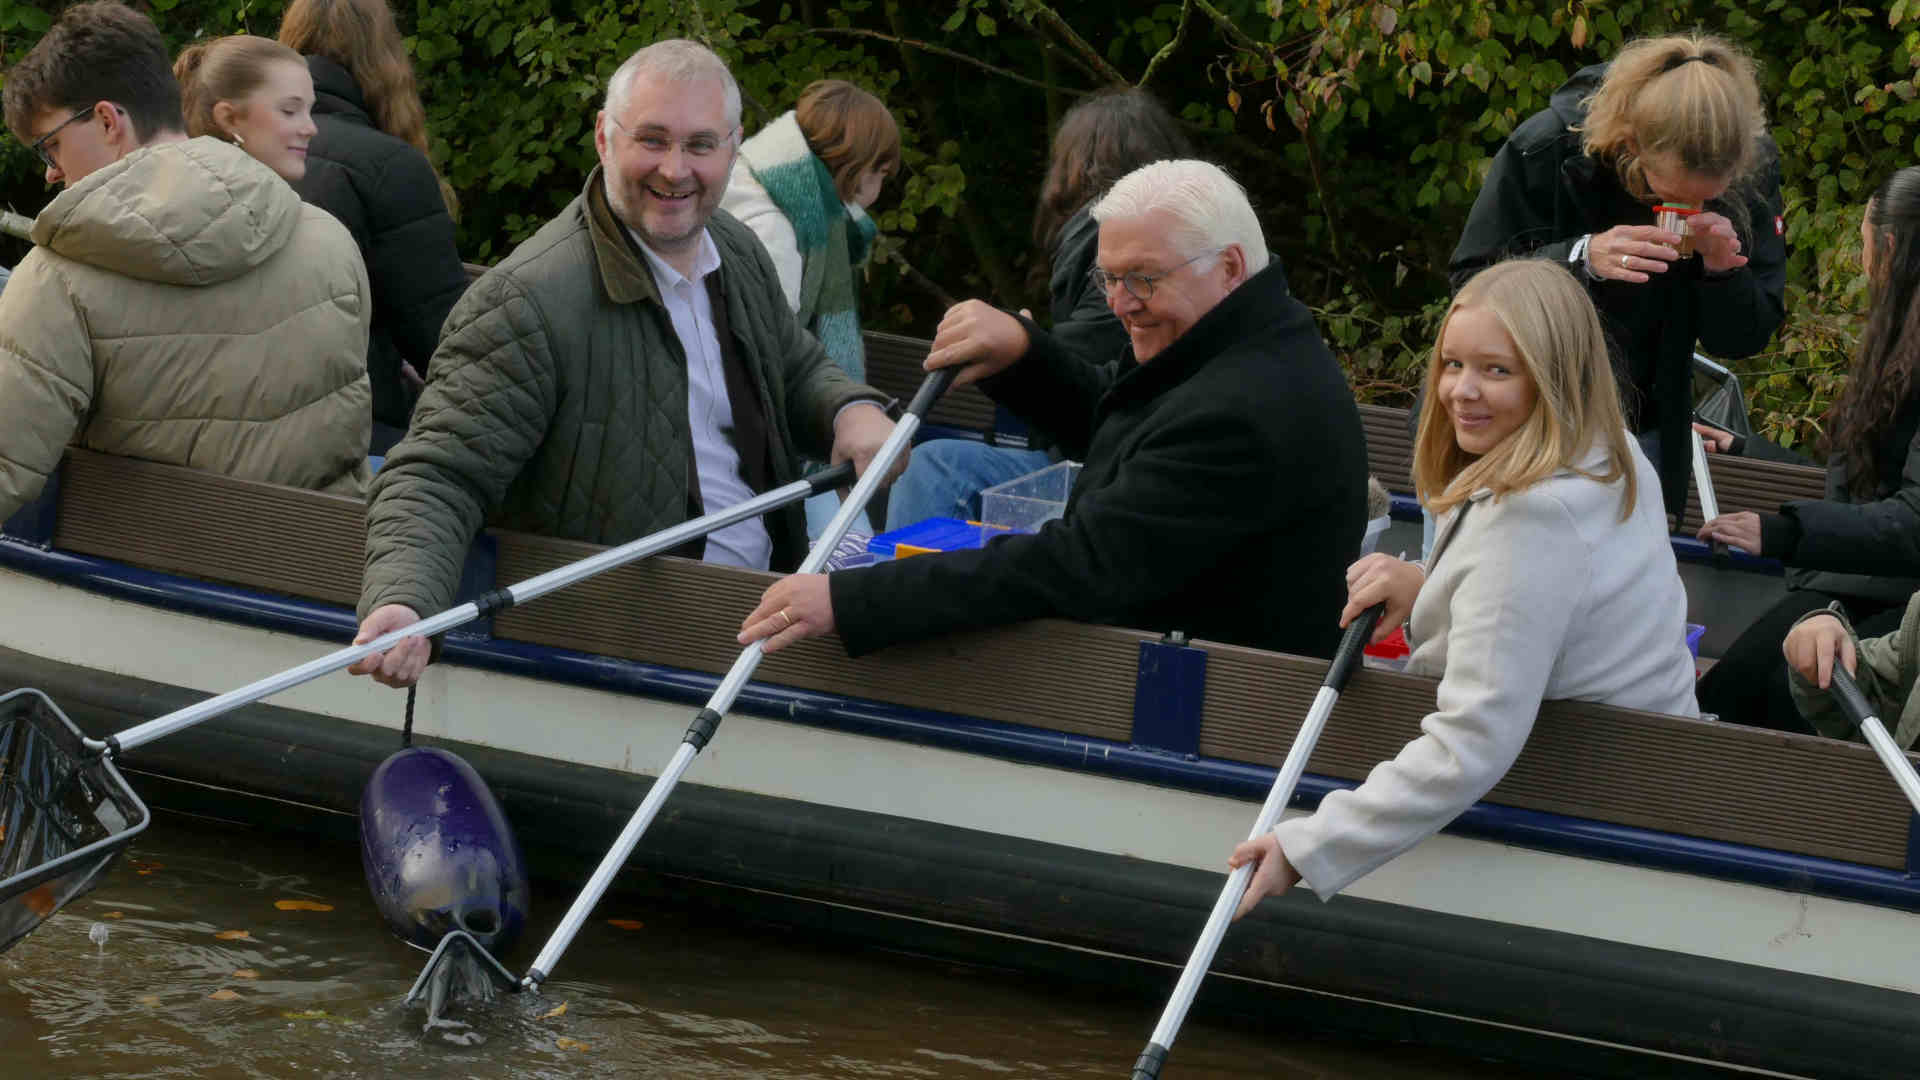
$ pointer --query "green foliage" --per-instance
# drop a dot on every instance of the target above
(1362, 128)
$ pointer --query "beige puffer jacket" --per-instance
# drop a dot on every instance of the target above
(183, 305)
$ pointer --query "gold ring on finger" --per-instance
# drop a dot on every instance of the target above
(786, 619)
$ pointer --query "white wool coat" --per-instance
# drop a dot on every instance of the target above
(1543, 594)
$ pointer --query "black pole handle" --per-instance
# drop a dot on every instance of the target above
(931, 388)
(1852, 702)
(1148, 1067)
(1347, 656)
(840, 475)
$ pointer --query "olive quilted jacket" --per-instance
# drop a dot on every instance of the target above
(557, 404)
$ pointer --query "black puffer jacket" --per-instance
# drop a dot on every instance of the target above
(1224, 494)
(386, 194)
(1851, 546)
(1543, 193)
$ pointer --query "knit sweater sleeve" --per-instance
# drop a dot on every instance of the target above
(1507, 619)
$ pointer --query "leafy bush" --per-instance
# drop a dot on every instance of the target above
(1362, 129)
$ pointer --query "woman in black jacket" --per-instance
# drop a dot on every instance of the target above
(1670, 120)
(368, 166)
(1861, 544)
(1101, 139)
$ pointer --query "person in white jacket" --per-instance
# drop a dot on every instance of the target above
(1552, 579)
(803, 184)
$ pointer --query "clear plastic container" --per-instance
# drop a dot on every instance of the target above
(1025, 504)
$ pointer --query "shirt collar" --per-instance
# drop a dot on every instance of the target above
(705, 261)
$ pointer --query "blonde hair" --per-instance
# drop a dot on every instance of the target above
(1690, 99)
(848, 129)
(1557, 335)
(225, 69)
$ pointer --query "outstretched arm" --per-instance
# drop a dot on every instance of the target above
(1508, 618)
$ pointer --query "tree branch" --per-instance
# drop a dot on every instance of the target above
(939, 50)
(999, 277)
(1052, 20)
(1167, 50)
(1230, 29)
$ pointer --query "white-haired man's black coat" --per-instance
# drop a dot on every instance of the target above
(1224, 494)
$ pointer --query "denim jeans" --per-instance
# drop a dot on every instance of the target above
(945, 477)
(820, 510)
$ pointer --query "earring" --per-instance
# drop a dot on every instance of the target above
(237, 140)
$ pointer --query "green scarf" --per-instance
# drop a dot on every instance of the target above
(834, 237)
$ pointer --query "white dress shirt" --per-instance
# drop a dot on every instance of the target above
(709, 410)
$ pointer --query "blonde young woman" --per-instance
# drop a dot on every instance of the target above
(1673, 119)
(1552, 577)
(252, 92)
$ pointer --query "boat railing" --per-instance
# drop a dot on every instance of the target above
(1109, 686)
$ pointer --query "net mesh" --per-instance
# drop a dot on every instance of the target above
(64, 814)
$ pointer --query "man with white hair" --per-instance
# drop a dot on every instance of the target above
(631, 365)
(1224, 490)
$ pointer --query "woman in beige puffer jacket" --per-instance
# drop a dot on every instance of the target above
(183, 305)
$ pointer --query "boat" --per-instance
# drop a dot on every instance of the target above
(1642, 895)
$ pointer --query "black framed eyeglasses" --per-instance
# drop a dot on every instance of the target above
(1139, 285)
(40, 144)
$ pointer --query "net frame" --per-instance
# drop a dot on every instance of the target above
(65, 813)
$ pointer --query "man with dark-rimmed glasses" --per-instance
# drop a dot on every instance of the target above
(96, 88)
(181, 304)
(1224, 486)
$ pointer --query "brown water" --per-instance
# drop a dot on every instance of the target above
(311, 993)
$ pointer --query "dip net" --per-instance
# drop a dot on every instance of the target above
(65, 814)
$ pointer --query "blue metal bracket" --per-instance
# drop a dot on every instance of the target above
(35, 522)
(1168, 692)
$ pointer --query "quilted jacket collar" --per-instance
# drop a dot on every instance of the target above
(623, 270)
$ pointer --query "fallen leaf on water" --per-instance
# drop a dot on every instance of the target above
(565, 1043)
(148, 999)
(626, 924)
(246, 973)
(140, 867)
(557, 1010)
(302, 905)
(223, 995)
(40, 901)
(233, 935)
(114, 915)
(309, 1014)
